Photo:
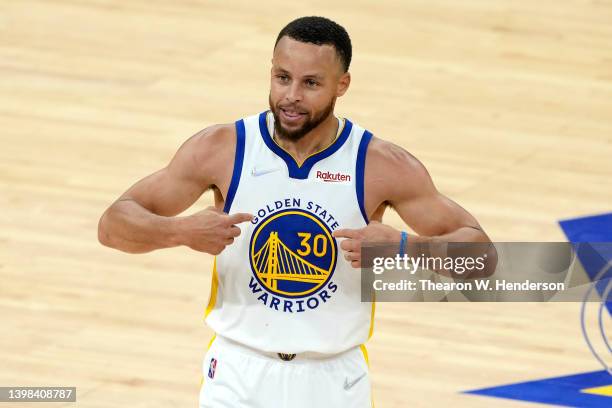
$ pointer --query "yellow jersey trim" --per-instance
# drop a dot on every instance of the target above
(373, 312)
(364, 350)
(207, 348)
(214, 287)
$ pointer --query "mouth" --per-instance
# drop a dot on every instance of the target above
(291, 115)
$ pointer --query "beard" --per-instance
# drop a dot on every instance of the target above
(311, 122)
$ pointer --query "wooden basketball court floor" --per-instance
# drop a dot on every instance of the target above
(507, 103)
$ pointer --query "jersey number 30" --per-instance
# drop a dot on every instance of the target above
(318, 247)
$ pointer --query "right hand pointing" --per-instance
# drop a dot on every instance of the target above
(211, 230)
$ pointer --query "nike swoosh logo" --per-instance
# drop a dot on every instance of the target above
(348, 385)
(255, 172)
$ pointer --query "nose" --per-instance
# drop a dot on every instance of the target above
(294, 93)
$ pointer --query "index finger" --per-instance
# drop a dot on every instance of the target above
(237, 218)
(346, 233)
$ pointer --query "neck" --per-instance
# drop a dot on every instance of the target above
(315, 140)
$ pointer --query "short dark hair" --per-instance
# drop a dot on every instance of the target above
(319, 31)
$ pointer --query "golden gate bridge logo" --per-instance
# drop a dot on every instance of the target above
(293, 253)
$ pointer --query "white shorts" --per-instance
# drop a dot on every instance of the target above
(236, 376)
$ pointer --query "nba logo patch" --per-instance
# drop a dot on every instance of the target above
(212, 368)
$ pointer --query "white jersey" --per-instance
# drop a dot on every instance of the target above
(284, 285)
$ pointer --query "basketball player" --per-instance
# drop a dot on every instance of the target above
(297, 190)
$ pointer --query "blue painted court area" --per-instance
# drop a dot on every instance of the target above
(592, 389)
(596, 228)
(593, 237)
(597, 232)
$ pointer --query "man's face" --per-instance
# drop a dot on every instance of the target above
(305, 81)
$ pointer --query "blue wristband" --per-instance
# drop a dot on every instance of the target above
(403, 243)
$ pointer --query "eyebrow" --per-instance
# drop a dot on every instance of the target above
(316, 76)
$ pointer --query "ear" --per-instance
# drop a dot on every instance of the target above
(343, 84)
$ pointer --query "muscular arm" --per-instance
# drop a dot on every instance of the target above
(143, 218)
(436, 218)
(415, 198)
(393, 177)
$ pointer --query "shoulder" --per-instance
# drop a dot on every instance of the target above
(206, 153)
(394, 170)
(214, 139)
(387, 157)
(212, 144)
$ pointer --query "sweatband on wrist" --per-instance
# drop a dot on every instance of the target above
(403, 243)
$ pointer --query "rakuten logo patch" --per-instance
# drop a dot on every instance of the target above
(332, 177)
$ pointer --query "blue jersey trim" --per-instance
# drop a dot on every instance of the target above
(360, 173)
(238, 159)
(301, 172)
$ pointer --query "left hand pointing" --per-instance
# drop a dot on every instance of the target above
(373, 232)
